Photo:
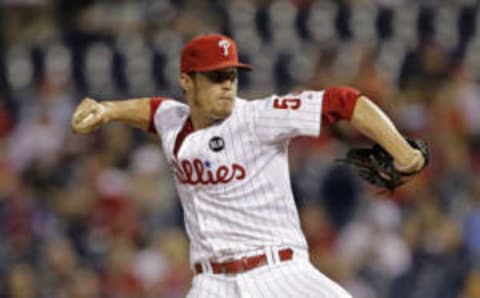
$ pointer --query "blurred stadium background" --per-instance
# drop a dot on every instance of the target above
(98, 216)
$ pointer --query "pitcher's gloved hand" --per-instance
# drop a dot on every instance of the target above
(376, 166)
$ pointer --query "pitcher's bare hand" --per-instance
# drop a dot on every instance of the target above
(88, 116)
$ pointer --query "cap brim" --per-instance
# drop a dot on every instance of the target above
(224, 65)
(244, 66)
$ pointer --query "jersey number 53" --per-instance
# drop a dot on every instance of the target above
(287, 103)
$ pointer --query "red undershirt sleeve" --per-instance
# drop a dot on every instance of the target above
(338, 104)
(154, 104)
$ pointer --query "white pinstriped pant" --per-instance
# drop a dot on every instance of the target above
(295, 278)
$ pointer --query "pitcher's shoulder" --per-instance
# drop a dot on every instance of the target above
(170, 114)
(171, 103)
(173, 106)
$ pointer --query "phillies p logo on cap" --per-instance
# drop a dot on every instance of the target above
(223, 43)
(210, 52)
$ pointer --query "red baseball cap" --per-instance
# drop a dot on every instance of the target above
(210, 52)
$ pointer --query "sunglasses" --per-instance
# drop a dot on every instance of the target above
(220, 76)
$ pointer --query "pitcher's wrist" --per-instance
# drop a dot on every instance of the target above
(414, 164)
(108, 111)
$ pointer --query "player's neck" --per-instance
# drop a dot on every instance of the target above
(199, 120)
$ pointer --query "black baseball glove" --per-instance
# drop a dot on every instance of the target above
(376, 166)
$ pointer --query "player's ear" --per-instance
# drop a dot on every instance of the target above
(186, 81)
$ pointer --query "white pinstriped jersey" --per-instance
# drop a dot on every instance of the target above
(233, 177)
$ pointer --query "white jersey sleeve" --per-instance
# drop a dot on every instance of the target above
(167, 114)
(279, 118)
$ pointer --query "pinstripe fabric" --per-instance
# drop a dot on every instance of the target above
(237, 197)
(255, 208)
(291, 279)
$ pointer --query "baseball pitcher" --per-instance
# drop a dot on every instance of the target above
(229, 159)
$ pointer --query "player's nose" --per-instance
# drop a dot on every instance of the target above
(227, 84)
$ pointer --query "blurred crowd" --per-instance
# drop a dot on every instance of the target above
(98, 215)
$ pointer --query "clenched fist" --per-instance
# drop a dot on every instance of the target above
(88, 116)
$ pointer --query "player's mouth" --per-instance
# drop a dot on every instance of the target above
(225, 98)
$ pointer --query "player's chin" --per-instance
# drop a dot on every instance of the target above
(223, 111)
(224, 107)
